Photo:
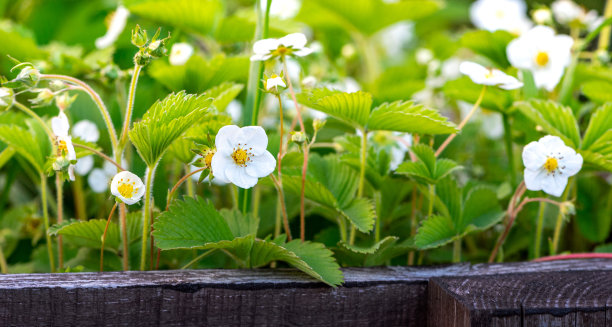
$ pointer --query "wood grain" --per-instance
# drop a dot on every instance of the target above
(387, 296)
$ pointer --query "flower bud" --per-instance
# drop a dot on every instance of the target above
(64, 100)
(158, 49)
(28, 76)
(139, 37)
(44, 98)
(567, 209)
(142, 58)
(6, 98)
(61, 163)
(298, 137)
(57, 85)
(318, 124)
(542, 16)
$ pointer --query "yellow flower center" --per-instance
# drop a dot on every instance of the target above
(281, 51)
(62, 147)
(241, 156)
(551, 164)
(542, 58)
(126, 189)
(208, 158)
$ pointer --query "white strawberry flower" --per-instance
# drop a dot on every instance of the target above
(542, 16)
(115, 27)
(507, 15)
(489, 76)
(60, 127)
(291, 45)
(567, 12)
(548, 165)
(241, 156)
(274, 82)
(127, 187)
(180, 53)
(543, 53)
(86, 130)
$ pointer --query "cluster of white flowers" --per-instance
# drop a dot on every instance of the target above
(507, 15)
(567, 12)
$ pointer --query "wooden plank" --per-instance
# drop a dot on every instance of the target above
(390, 296)
(561, 298)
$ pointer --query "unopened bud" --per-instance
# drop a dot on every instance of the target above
(64, 100)
(44, 98)
(28, 76)
(139, 37)
(298, 137)
(318, 124)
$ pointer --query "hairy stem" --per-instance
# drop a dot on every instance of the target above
(362, 169)
(3, 265)
(100, 154)
(124, 236)
(60, 218)
(79, 199)
(539, 227)
(604, 36)
(146, 216)
(559, 223)
(110, 216)
(463, 122)
(281, 196)
(509, 152)
(181, 181)
(432, 196)
(97, 100)
(129, 107)
(43, 190)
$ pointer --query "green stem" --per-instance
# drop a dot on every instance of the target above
(147, 216)
(342, 228)
(79, 199)
(38, 119)
(124, 236)
(198, 258)
(96, 98)
(509, 151)
(129, 107)
(377, 197)
(559, 223)
(190, 186)
(362, 169)
(463, 122)
(604, 36)
(457, 250)
(60, 218)
(43, 188)
(3, 265)
(432, 195)
(539, 227)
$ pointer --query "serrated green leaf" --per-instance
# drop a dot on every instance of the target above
(322, 264)
(313, 191)
(553, 118)
(449, 196)
(165, 122)
(340, 179)
(375, 255)
(434, 232)
(598, 160)
(599, 124)
(426, 155)
(191, 223)
(489, 44)
(444, 167)
(360, 212)
(598, 91)
(427, 169)
(352, 108)
(223, 94)
(197, 16)
(409, 117)
(6, 155)
(417, 170)
(240, 224)
(25, 143)
(88, 233)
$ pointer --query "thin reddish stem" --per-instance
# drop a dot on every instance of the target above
(181, 181)
(104, 237)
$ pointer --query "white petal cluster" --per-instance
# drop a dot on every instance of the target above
(60, 127)
(274, 82)
(489, 76)
(87, 131)
(567, 12)
(507, 15)
(291, 45)
(241, 156)
(180, 53)
(116, 26)
(543, 53)
(127, 187)
(548, 165)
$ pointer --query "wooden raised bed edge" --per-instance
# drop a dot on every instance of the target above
(390, 296)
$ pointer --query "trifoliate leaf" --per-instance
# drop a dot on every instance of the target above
(352, 108)
(434, 232)
(165, 122)
(427, 169)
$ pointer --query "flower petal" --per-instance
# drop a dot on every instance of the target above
(84, 165)
(294, 40)
(253, 137)
(571, 163)
(239, 177)
(534, 155)
(86, 130)
(262, 165)
(554, 184)
(533, 179)
(302, 52)
(60, 124)
(219, 164)
(265, 46)
(98, 180)
(224, 141)
(552, 144)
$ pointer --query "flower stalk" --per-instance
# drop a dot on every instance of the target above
(60, 218)
(129, 109)
(559, 223)
(43, 191)
(362, 169)
(146, 216)
(110, 216)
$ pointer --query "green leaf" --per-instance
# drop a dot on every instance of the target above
(322, 264)
(197, 16)
(445, 167)
(223, 94)
(599, 124)
(466, 90)
(88, 233)
(480, 211)
(26, 144)
(313, 191)
(240, 224)
(434, 232)
(352, 108)
(489, 44)
(553, 118)
(165, 122)
(361, 214)
(449, 196)
(18, 46)
(374, 255)
(427, 169)
(357, 15)
(191, 223)
(340, 179)
(409, 117)
(598, 91)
